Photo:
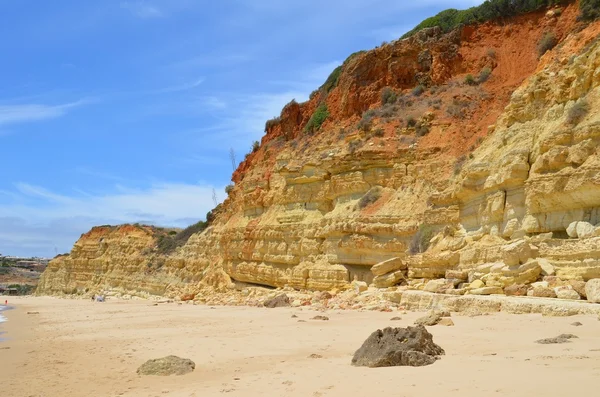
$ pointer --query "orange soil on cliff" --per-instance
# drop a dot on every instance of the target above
(508, 47)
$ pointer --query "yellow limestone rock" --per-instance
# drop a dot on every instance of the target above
(439, 286)
(592, 290)
(388, 266)
(487, 291)
(477, 284)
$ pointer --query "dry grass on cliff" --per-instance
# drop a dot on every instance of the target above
(167, 243)
(578, 112)
(370, 197)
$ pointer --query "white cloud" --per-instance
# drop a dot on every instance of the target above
(22, 113)
(142, 9)
(35, 219)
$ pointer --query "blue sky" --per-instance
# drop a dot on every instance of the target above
(125, 111)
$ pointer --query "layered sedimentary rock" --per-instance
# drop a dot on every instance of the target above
(501, 194)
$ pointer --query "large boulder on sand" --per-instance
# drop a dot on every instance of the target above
(411, 346)
(592, 290)
(281, 300)
(170, 365)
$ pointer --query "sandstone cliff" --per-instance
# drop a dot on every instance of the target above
(488, 185)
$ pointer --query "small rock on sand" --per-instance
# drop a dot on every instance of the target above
(429, 320)
(315, 356)
(446, 322)
(322, 318)
(576, 324)
(564, 338)
(170, 365)
(281, 300)
(395, 318)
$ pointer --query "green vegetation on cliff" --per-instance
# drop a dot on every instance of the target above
(167, 243)
(317, 119)
(492, 9)
(590, 9)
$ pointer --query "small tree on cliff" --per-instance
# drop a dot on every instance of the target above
(317, 119)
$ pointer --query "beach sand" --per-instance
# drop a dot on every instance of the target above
(81, 348)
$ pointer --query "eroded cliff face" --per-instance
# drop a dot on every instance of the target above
(460, 189)
(122, 258)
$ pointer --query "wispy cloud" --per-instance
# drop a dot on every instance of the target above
(142, 9)
(212, 102)
(23, 113)
(41, 193)
(181, 87)
(253, 110)
(99, 174)
(57, 219)
(209, 60)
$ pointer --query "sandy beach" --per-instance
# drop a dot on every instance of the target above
(80, 348)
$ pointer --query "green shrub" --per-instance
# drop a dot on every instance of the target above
(354, 145)
(491, 9)
(590, 9)
(332, 80)
(387, 111)
(379, 132)
(418, 90)
(547, 43)
(289, 104)
(470, 80)
(420, 241)
(422, 129)
(228, 189)
(578, 112)
(459, 164)
(491, 53)
(317, 119)
(272, 123)
(366, 122)
(458, 109)
(411, 122)
(370, 197)
(388, 96)
(484, 75)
